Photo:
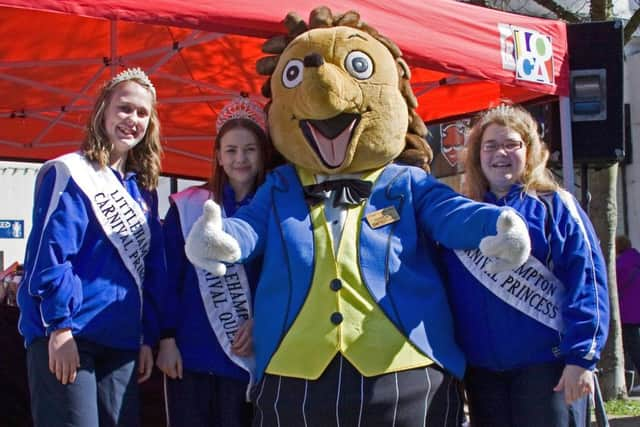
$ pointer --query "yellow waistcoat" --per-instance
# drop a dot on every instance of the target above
(339, 314)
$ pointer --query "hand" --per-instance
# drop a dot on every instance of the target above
(169, 359)
(243, 341)
(510, 248)
(576, 382)
(145, 363)
(64, 359)
(207, 244)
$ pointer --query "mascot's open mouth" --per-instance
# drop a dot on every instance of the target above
(330, 138)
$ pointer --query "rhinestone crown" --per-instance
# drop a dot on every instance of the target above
(133, 74)
(241, 107)
(499, 111)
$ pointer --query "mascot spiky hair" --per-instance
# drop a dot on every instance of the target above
(352, 324)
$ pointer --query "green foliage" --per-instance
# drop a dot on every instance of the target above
(619, 407)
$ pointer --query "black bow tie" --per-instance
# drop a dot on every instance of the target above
(347, 192)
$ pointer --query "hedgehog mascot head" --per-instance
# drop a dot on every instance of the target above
(341, 101)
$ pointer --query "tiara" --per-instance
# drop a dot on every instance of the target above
(241, 107)
(499, 111)
(133, 74)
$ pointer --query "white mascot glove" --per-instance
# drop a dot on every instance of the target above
(511, 247)
(207, 244)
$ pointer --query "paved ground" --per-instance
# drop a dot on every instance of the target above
(622, 422)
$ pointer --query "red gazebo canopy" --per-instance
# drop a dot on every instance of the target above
(55, 54)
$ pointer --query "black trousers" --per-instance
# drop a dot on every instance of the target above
(206, 400)
(631, 344)
(522, 397)
(105, 392)
(418, 397)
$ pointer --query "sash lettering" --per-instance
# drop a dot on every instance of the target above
(227, 295)
(119, 215)
(127, 227)
(531, 288)
(227, 299)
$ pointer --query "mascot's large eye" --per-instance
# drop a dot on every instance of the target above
(359, 65)
(292, 74)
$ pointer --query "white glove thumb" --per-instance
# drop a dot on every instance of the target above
(212, 215)
(207, 244)
(511, 246)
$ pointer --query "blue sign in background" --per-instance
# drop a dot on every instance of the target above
(11, 229)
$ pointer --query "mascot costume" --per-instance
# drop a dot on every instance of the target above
(352, 325)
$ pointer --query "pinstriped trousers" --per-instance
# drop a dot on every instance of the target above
(342, 397)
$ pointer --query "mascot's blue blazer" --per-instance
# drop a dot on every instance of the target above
(398, 261)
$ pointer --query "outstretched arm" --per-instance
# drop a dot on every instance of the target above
(460, 223)
(213, 240)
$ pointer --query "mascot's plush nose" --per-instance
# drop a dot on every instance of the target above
(326, 90)
(313, 60)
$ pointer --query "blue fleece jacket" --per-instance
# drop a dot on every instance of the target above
(74, 277)
(496, 336)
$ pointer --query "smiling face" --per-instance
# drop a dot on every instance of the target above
(503, 157)
(126, 116)
(239, 156)
(336, 106)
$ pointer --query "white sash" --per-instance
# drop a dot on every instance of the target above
(119, 215)
(227, 299)
(531, 288)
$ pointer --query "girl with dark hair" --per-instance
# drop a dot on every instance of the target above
(206, 346)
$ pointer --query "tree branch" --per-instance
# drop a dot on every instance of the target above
(631, 26)
(560, 11)
(601, 10)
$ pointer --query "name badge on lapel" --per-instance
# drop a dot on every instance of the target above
(383, 217)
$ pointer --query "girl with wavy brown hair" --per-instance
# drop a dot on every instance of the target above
(94, 258)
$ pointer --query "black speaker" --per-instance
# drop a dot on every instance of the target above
(596, 84)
